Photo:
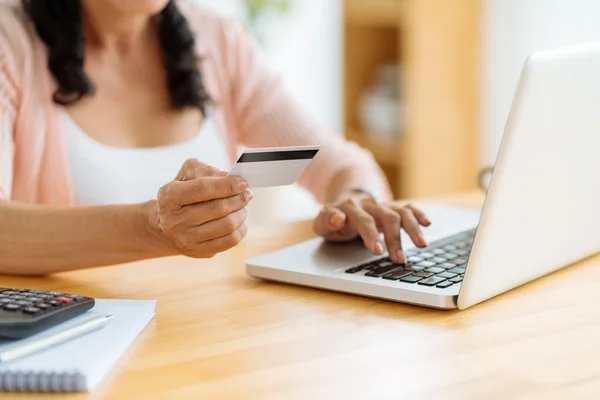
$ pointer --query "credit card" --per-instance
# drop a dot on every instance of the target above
(274, 166)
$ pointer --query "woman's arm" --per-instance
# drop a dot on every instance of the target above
(36, 240)
(266, 115)
(199, 214)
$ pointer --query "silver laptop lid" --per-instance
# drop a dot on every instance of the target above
(542, 211)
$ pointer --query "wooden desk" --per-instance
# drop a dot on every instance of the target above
(219, 334)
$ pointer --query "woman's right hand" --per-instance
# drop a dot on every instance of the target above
(202, 212)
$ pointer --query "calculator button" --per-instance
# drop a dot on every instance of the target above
(75, 297)
(10, 292)
(38, 291)
(12, 307)
(21, 290)
(18, 297)
(2, 289)
(445, 285)
(5, 301)
(46, 297)
(2, 296)
(31, 310)
(64, 300)
(56, 293)
(35, 300)
(55, 303)
(43, 306)
(23, 303)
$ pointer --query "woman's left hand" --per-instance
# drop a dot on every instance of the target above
(355, 215)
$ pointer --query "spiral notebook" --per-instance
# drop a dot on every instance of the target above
(80, 364)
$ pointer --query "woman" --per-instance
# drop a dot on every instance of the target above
(100, 103)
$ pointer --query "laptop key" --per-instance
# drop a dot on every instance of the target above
(457, 270)
(414, 259)
(450, 247)
(446, 265)
(397, 274)
(460, 261)
(411, 279)
(458, 279)
(354, 270)
(438, 251)
(445, 285)
(434, 280)
(435, 270)
(426, 255)
(377, 272)
(426, 264)
(446, 275)
(449, 256)
(462, 252)
(413, 268)
(438, 260)
(461, 244)
(423, 274)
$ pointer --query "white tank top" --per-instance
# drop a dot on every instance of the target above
(102, 174)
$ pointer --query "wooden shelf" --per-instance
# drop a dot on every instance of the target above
(381, 13)
(387, 151)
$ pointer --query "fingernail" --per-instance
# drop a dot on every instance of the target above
(422, 241)
(241, 184)
(401, 258)
(336, 220)
(378, 248)
(249, 195)
(427, 221)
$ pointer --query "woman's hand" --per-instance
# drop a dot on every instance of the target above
(355, 215)
(202, 212)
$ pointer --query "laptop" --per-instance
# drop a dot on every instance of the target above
(541, 213)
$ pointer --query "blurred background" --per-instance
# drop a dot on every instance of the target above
(426, 85)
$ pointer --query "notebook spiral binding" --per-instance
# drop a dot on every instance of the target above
(39, 381)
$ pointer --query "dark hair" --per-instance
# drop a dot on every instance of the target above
(58, 24)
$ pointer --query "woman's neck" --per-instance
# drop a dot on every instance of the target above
(107, 28)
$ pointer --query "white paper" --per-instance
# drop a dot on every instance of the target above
(94, 354)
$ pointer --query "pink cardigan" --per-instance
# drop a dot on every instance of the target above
(252, 109)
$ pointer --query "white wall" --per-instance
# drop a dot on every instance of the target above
(512, 30)
(305, 47)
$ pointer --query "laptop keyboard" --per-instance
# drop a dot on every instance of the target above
(443, 264)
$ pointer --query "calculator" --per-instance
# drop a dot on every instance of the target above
(25, 312)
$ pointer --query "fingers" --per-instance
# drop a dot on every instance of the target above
(178, 194)
(390, 223)
(193, 168)
(192, 241)
(411, 226)
(331, 219)
(201, 213)
(365, 225)
(222, 226)
(419, 215)
(223, 243)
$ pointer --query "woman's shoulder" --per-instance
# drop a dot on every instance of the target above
(16, 33)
